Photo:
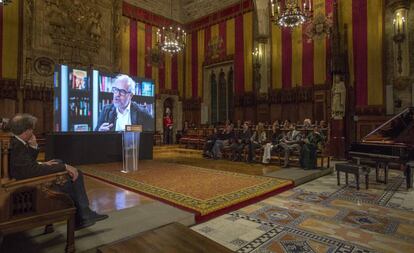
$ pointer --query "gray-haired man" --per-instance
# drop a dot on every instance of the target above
(123, 111)
(23, 164)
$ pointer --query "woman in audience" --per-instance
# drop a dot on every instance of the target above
(256, 141)
(313, 142)
(274, 144)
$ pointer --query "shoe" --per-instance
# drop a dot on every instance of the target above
(97, 217)
(84, 224)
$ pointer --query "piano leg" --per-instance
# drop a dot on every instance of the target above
(381, 166)
(386, 173)
(357, 180)
(409, 176)
(338, 177)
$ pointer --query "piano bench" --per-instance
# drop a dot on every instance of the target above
(355, 169)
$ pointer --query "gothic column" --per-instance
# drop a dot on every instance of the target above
(399, 89)
(262, 44)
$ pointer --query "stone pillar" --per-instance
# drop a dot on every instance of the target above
(262, 44)
(398, 72)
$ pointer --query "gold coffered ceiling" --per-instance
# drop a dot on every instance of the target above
(183, 10)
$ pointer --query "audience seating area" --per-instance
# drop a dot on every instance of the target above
(195, 138)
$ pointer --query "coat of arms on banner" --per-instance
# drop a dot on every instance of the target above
(215, 47)
(154, 57)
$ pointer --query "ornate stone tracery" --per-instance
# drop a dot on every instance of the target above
(74, 32)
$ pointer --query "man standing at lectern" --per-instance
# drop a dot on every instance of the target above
(123, 111)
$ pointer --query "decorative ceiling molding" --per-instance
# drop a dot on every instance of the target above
(183, 12)
(145, 16)
(221, 15)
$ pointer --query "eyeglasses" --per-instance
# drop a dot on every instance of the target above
(121, 92)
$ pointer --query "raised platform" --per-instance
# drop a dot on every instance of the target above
(120, 224)
(173, 237)
(298, 175)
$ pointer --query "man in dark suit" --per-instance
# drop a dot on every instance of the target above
(123, 111)
(23, 164)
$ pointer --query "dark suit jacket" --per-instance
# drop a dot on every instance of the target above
(23, 162)
(139, 116)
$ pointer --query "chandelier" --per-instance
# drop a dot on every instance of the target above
(171, 39)
(289, 13)
(5, 2)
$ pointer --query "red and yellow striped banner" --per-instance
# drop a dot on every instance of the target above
(9, 40)
(138, 39)
(296, 59)
(364, 21)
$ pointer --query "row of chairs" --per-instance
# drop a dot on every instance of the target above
(278, 156)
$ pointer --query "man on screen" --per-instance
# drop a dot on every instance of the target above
(123, 111)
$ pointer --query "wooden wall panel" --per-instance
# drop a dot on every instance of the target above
(305, 111)
(275, 112)
(35, 108)
(290, 112)
(366, 124)
(239, 114)
(8, 108)
(262, 113)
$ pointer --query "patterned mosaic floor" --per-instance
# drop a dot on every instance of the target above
(322, 217)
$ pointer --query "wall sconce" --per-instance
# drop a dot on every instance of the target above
(257, 56)
(257, 63)
(400, 30)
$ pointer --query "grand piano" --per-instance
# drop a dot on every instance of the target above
(391, 145)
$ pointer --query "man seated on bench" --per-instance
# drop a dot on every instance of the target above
(313, 142)
(224, 140)
(23, 165)
(209, 144)
(291, 142)
(242, 140)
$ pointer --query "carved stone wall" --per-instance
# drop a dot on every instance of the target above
(74, 32)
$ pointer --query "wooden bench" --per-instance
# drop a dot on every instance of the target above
(173, 237)
(30, 203)
(355, 169)
(320, 155)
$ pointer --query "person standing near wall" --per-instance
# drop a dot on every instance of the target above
(168, 126)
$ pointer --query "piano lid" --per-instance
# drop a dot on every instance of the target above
(398, 130)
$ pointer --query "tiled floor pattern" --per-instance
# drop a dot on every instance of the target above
(321, 216)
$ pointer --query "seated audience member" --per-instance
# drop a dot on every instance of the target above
(286, 124)
(223, 140)
(307, 123)
(23, 165)
(312, 143)
(274, 144)
(183, 132)
(256, 141)
(241, 142)
(208, 145)
(239, 125)
(292, 141)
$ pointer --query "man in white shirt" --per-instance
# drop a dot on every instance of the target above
(123, 111)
